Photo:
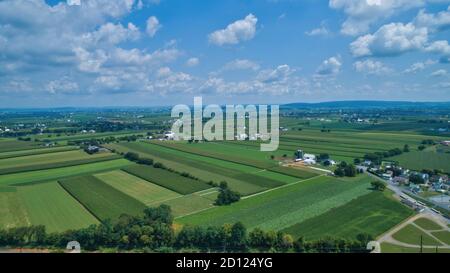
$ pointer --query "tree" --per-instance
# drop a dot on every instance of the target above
(378, 185)
(421, 147)
(416, 179)
(226, 195)
(238, 240)
(406, 148)
(350, 170)
(339, 172)
(132, 156)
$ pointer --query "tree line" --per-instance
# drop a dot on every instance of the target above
(153, 232)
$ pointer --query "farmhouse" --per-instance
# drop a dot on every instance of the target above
(446, 142)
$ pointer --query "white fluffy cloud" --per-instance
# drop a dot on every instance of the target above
(433, 22)
(390, 39)
(371, 67)
(191, 62)
(419, 66)
(320, 31)
(330, 67)
(361, 14)
(153, 26)
(234, 33)
(439, 73)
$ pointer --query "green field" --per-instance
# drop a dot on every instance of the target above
(426, 159)
(427, 224)
(411, 235)
(10, 145)
(285, 206)
(53, 174)
(190, 204)
(244, 179)
(102, 200)
(443, 236)
(166, 179)
(50, 205)
(373, 213)
(144, 191)
(12, 209)
(391, 248)
(36, 151)
(50, 161)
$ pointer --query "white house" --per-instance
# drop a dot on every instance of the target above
(309, 157)
(169, 135)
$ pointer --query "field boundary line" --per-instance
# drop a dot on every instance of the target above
(280, 187)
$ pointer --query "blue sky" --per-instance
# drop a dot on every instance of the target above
(162, 52)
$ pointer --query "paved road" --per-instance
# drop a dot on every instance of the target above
(399, 192)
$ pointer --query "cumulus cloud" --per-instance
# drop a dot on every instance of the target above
(191, 62)
(371, 67)
(330, 67)
(361, 14)
(234, 33)
(439, 73)
(390, 39)
(153, 26)
(321, 31)
(434, 22)
(419, 66)
(63, 85)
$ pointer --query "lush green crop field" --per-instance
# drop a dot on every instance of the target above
(144, 191)
(50, 205)
(50, 161)
(53, 174)
(285, 206)
(411, 235)
(12, 210)
(197, 168)
(102, 200)
(373, 213)
(36, 151)
(427, 224)
(166, 179)
(427, 159)
(191, 203)
(15, 145)
(231, 153)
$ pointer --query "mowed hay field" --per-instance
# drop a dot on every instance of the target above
(285, 206)
(167, 179)
(373, 213)
(12, 209)
(50, 205)
(102, 200)
(144, 191)
(49, 161)
(34, 177)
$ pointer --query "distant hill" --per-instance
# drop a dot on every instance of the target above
(367, 104)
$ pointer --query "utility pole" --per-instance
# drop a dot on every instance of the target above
(421, 244)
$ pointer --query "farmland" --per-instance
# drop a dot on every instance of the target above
(63, 188)
(102, 200)
(50, 205)
(373, 213)
(50, 161)
(285, 206)
(166, 179)
(141, 190)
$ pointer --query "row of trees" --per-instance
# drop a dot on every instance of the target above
(153, 232)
